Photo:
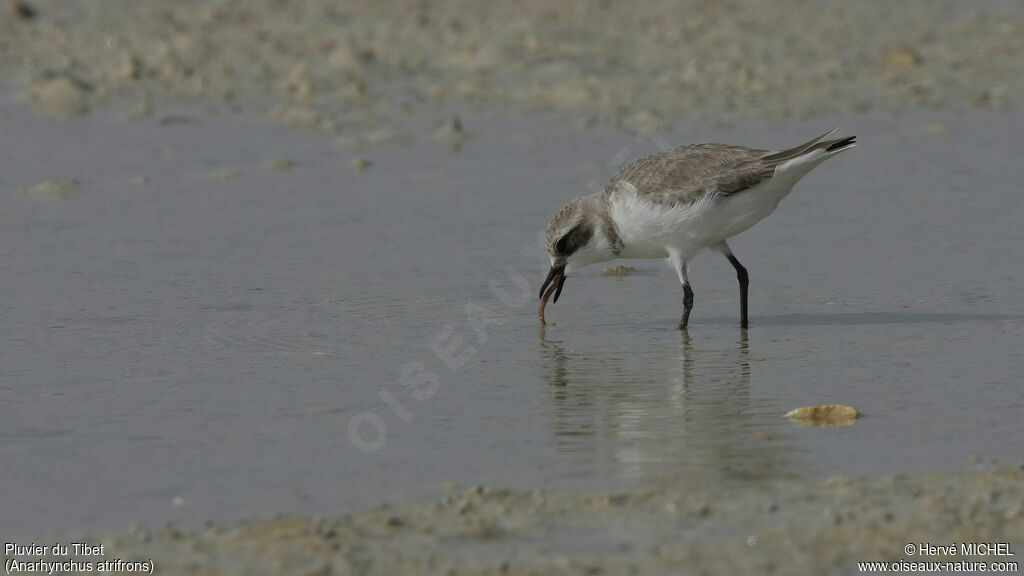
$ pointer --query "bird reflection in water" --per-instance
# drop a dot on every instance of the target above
(635, 409)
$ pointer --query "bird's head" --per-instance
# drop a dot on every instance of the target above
(573, 241)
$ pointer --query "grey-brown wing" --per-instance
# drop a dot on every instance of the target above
(686, 174)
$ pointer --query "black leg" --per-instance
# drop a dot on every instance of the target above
(687, 305)
(741, 275)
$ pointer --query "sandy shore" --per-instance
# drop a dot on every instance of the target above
(334, 66)
(802, 527)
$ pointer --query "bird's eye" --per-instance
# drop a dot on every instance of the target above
(562, 246)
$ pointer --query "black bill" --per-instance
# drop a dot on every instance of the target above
(556, 274)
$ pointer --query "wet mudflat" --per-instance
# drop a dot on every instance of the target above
(216, 318)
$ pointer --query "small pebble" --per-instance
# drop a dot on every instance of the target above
(451, 133)
(59, 189)
(903, 58)
(142, 109)
(280, 164)
(18, 10)
(830, 415)
(224, 174)
(619, 271)
(60, 96)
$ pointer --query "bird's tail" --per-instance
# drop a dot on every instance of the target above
(796, 162)
(830, 147)
(839, 144)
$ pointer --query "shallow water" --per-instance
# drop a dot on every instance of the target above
(192, 349)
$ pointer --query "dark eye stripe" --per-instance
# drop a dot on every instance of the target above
(573, 239)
